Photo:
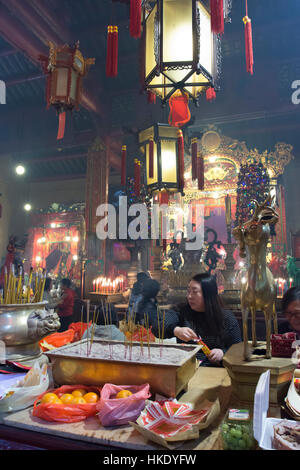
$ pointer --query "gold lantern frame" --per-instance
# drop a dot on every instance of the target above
(165, 166)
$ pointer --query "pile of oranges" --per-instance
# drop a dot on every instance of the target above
(77, 397)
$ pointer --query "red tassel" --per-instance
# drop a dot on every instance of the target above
(123, 166)
(151, 158)
(210, 94)
(138, 178)
(151, 97)
(112, 51)
(194, 158)
(109, 51)
(135, 28)
(180, 144)
(217, 16)
(61, 125)
(200, 172)
(248, 45)
(115, 46)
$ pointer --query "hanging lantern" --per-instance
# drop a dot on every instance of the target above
(112, 51)
(158, 143)
(180, 48)
(65, 67)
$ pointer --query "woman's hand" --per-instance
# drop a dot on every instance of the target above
(184, 333)
(216, 355)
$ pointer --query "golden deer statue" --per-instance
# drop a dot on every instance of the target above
(259, 291)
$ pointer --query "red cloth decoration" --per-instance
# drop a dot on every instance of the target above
(217, 16)
(135, 22)
(194, 158)
(164, 197)
(179, 109)
(200, 172)
(123, 166)
(210, 94)
(151, 158)
(61, 125)
(180, 144)
(248, 42)
(151, 97)
(112, 51)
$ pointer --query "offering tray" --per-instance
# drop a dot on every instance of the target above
(166, 367)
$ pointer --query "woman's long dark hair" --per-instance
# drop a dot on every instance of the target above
(214, 319)
(290, 296)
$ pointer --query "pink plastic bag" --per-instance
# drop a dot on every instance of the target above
(117, 411)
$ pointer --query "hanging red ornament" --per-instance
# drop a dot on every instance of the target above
(248, 42)
(135, 20)
(194, 158)
(179, 109)
(61, 125)
(164, 197)
(112, 51)
(180, 144)
(151, 97)
(151, 158)
(200, 171)
(123, 165)
(138, 179)
(217, 16)
(65, 68)
(210, 94)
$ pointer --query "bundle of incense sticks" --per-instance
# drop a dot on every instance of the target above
(161, 327)
(18, 290)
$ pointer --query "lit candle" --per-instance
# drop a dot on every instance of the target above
(94, 285)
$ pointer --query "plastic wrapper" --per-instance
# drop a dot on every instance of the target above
(70, 413)
(118, 411)
(56, 340)
(25, 391)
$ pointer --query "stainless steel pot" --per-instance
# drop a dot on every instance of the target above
(22, 326)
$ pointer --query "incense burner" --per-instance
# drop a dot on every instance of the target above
(22, 326)
(72, 364)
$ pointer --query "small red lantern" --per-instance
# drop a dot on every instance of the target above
(65, 67)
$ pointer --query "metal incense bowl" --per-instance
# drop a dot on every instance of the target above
(22, 326)
(166, 379)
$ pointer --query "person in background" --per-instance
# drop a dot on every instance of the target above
(52, 303)
(136, 292)
(291, 310)
(106, 327)
(66, 304)
(203, 316)
(146, 306)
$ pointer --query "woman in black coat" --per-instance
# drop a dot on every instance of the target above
(203, 316)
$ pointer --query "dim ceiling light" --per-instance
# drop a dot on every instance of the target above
(27, 207)
(20, 170)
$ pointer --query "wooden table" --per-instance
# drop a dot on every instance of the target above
(207, 382)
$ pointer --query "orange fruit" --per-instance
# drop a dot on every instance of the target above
(66, 398)
(78, 401)
(58, 402)
(123, 394)
(79, 392)
(49, 398)
(91, 397)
